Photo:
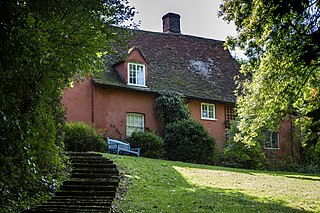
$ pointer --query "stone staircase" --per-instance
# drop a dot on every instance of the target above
(91, 188)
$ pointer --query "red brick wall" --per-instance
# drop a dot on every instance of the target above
(78, 102)
(289, 144)
(111, 105)
(215, 127)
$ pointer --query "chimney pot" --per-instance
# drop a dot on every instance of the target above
(171, 23)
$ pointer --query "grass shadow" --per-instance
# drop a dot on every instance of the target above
(221, 200)
(304, 177)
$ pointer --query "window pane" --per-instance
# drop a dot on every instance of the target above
(210, 114)
(204, 111)
(203, 107)
(136, 74)
(272, 141)
(134, 123)
(140, 75)
(208, 111)
(211, 111)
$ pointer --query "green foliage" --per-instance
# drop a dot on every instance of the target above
(33, 164)
(311, 139)
(43, 45)
(240, 155)
(152, 146)
(281, 41)
(188, 141)
(184, 139)
(311, 156)
(171, 107)
(82, 137)
(288, 164)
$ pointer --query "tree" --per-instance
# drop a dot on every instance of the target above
(281, 41)
(43, 45)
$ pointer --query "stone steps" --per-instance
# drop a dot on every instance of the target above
(102, 165)
(78, 202)
(91, 188)
(114, 181)
(87, 188)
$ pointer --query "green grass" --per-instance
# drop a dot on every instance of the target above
(164, 186)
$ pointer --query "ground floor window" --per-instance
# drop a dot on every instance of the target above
(134, 123)
(272, 141)
(208, 111)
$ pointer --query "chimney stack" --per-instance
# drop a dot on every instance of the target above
(171, 23)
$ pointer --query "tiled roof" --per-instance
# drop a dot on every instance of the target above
(196, 67)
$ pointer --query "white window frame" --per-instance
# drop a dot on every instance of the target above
(133, 124)
(209, 116)
(270, 138)
(133, 74)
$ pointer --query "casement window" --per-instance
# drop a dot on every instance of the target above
(272, 141)
(208, 111)
(136, 74)
(134, 123)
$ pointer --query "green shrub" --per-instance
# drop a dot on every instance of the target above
(152, 145)
(188, 141)
(311, 157)
(290, 164)
(240, 155)
(82, 137)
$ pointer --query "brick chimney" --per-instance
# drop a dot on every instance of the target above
(171, 23)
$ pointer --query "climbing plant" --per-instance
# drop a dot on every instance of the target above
(171, 107)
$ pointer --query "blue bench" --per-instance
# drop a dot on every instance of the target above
(116, 146)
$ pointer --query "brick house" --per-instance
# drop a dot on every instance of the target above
(120, 99)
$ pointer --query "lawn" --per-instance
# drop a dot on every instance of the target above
(151, 185)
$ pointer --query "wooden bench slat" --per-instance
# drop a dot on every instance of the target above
(116, 146)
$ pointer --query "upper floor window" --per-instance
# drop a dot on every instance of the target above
(136, 74)
(272, 141)
(208, 111)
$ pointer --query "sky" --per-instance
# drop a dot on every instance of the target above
(198, 17)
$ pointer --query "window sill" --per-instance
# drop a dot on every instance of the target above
(275, 149)
(209, 119)
(135, 85)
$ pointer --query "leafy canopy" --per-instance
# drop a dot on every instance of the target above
(43, 44)
(281, 41)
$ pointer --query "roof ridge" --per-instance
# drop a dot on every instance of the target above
(175, 34)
